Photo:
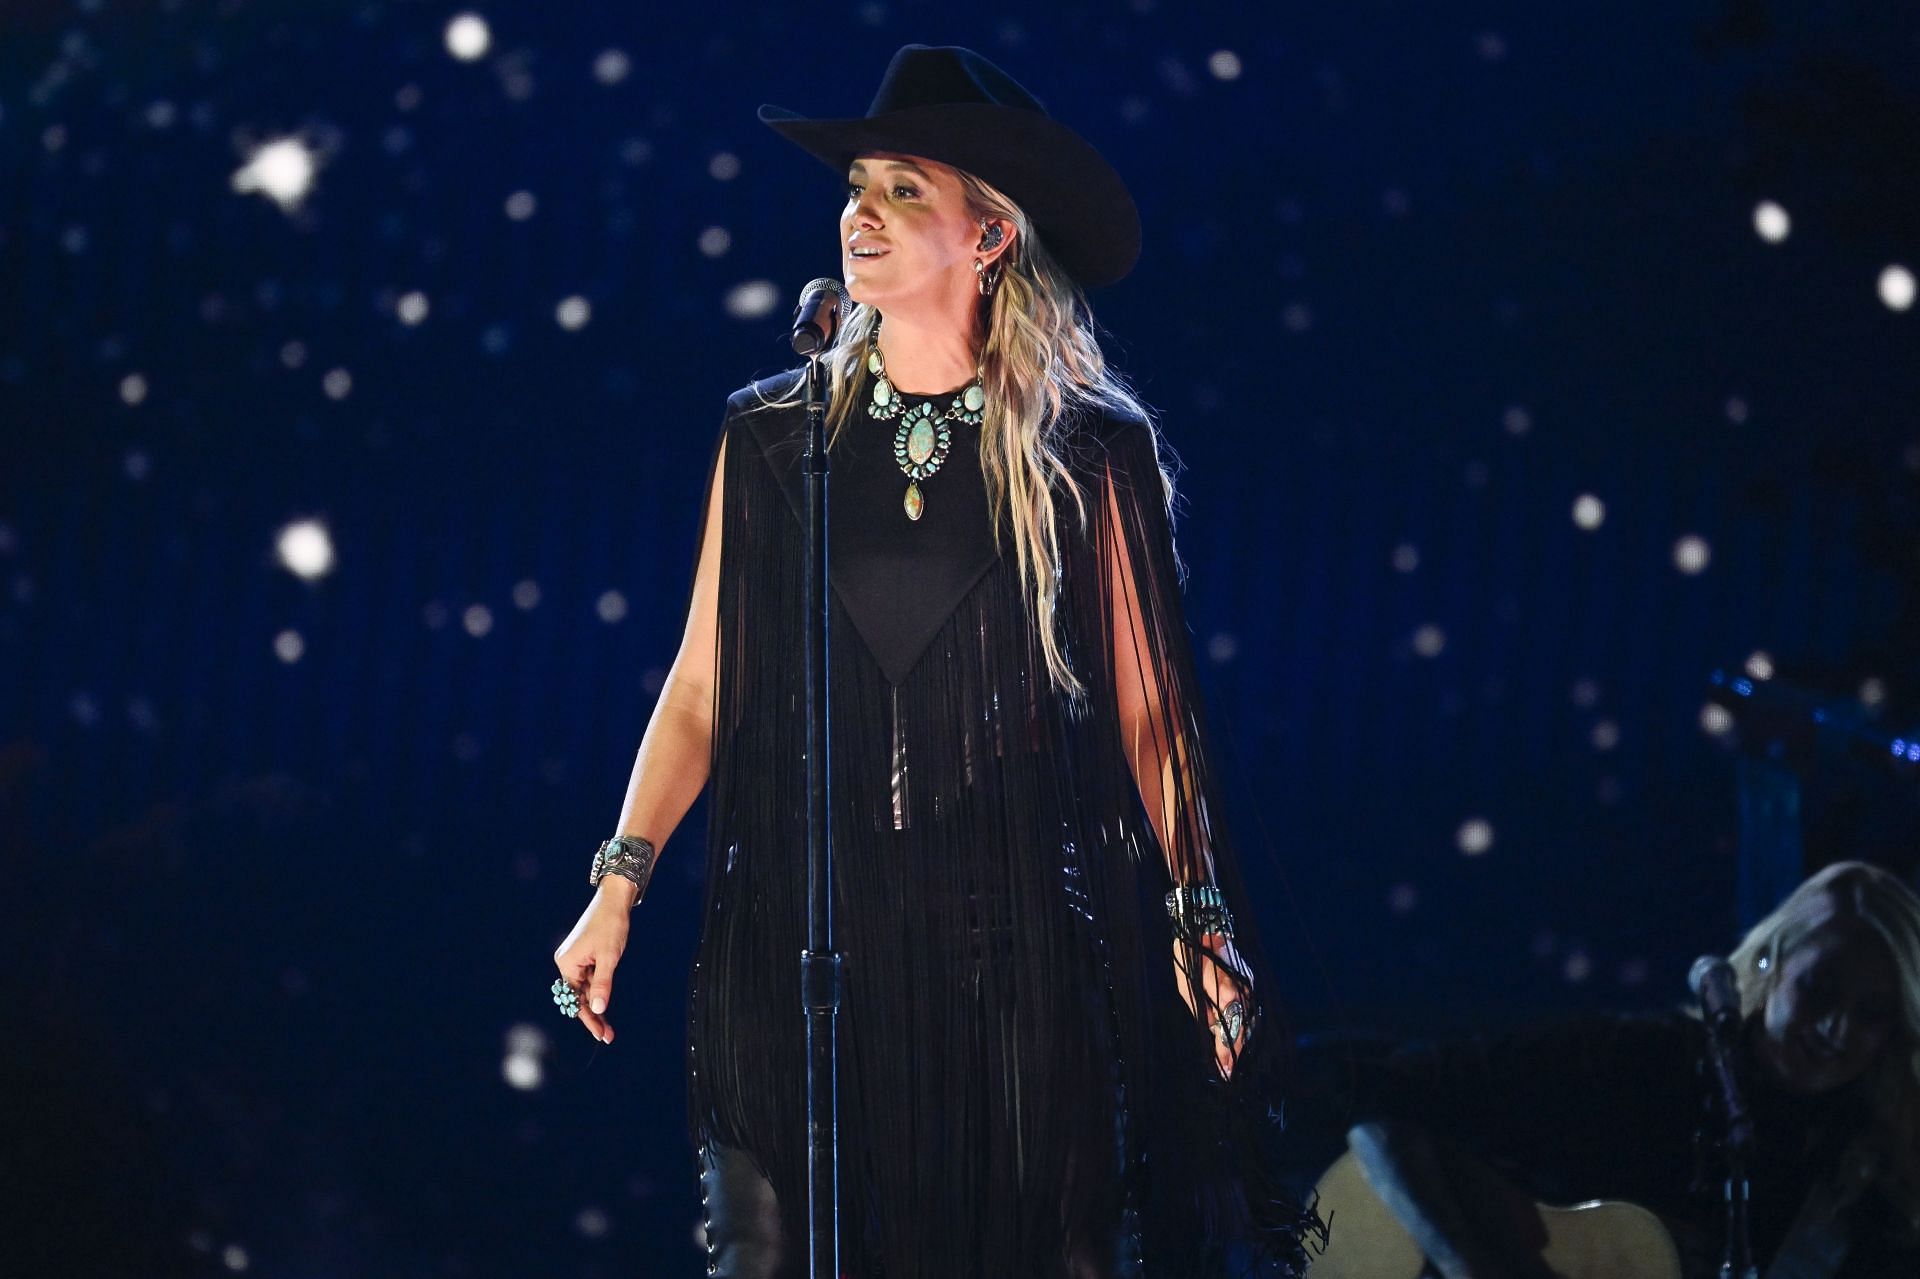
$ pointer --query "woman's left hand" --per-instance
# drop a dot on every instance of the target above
(1224, 981)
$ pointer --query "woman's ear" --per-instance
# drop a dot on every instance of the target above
(996, 237)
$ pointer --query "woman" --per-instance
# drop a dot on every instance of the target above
(1608, 1107)
(1050, 970)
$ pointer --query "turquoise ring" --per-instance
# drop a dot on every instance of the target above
(564, 996)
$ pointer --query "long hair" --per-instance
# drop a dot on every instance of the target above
(1037, 342)
(1860, 893)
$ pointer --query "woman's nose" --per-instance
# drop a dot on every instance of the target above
(1835, 1027)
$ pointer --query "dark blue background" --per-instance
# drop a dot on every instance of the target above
(1419, 276)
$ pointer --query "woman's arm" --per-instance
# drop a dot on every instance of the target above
(675, 753)
(1157, 754)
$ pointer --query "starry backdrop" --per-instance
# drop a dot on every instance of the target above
(359, 363)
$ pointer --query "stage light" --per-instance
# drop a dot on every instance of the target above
(283, 170)
(1224, 64)
(1589, 512)
(611, 66)
(412, 307)
(1771, 221)
(1475, 836)
(1716, 719)
(1605, 735)
(478, 619)
(338, 384)
(724, 167)
(521, 205)
(611, 606)
(1406, 557)
(289, 647)
(305, 549)
(1873, 690)
(1896, 288)
(573, 313)
(715, 241)
(133, 388)
(752, 299)
(1429, 640)
(1691, 554)
(468, 36)
(526, 594)
(1517, 421)
(1760, 665)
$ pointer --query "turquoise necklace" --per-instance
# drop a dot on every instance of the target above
(924, 435)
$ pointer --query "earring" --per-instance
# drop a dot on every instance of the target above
(989, 280)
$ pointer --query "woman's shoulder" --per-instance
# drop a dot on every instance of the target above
(762, 392)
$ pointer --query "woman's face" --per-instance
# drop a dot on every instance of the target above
(1831, 1010)
(913, 209)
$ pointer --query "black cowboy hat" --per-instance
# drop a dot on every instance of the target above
(949, 104)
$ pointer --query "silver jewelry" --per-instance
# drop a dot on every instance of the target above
(1197, 910)
(924, 434)
(1233, 1018)
(565, 996)
(628, 856)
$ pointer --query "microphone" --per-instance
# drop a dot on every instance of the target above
(823, 305)
(1711, 981)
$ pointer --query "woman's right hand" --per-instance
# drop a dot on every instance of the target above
(592, 951)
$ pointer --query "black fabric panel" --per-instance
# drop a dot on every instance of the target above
(898, 578)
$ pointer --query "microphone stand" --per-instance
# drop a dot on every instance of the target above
(819, 962)
(1737, 1144)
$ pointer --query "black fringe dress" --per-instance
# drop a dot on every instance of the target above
(1020, 1080)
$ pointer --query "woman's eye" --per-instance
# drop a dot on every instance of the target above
(854, 189)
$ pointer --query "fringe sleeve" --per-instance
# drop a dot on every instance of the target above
(1224, 1139)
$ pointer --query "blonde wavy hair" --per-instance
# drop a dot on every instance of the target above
(1857, 892)
(1037, 342)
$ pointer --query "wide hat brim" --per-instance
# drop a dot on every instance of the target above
(1079, 206)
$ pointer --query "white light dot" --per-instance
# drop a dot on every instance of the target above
(1475, 836)
(412, 307)
(526, 594)
(573, 312)
(85, 708)
(751, 299)
(1716, 719)
(1406, 557)
(468, 36)
(1606, 735)
(1771, 221)
(1223, 648)
(724, 167)
(293, 354)
(338, 384)
(1736, 410)
(234, 1257)
(611, 66)
(1873, 690)
(289, 647)
(1296, 317)
(305, 548)
(592, 1222)
(1225, 65)
(1586, 693)
(478, 619)
(1589, 512)
(523, 1037)
(611, 606)
(1760, 664)
(1402, 898)
(1691, 554)
(1492, 45)
(520, 205)
(1578, 967)
(133, 388)
(282, 170)
(1517, 420)
(715, 241)
(1896, 288)
(1429, 640)
(522, 1071)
